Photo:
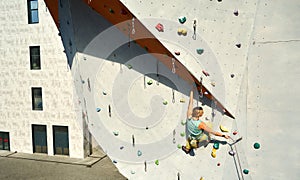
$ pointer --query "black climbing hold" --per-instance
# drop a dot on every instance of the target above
(232, 75)
(238, 45)
(236, 12)
(219, 0)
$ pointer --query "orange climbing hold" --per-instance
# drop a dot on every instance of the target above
(159, 27)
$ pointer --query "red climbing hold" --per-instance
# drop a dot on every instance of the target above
(235, 133)
(159, 27)
(205, 73)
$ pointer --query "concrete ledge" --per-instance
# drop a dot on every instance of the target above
(89, 161)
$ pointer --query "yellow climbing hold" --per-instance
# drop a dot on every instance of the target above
(214, 153)
(223, 129)
(182, 100)
(182, 31)
(201, 178)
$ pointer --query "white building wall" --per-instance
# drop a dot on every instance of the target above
(16, 79)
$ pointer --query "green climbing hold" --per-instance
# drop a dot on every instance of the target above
(111, 10)
(129, 66)
(150, 82)
(165, 102)
(182, 19)
(116, 133)
(200, 51)
(183, 122)
(179, 146)
(245, 171)
(182, 134)
(157, 162)
(216, 145)
(256, 145)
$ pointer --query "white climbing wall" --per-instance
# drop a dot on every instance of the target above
(138, 125)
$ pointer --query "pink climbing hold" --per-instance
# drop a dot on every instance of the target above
(159, 27)
(177, 53)
(205, 73)
(235, 133)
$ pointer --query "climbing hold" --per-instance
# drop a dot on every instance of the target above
(218, 164)
(236, 12)
(179, 146)
(111, 10)
(182, 100)
(256, 145)
(182, 134)
(159, 27)
(122, 147)
(165, 102)
(104, 93)
(205, 73)
(129, 66)
(114, 161)
(238, 45)
(182, 31)
(183, 122)
(245, 171)
(214, 153)
(216, 145)
(98, 109)
(147, 128)
(132, 172)
(200, 51)
(150, 82)
(223, 129)
(213, 84)
(182, 19)
(234, 132)
(139, 153)
(177, 53)
(116, 133)
(231, 153)
(123, 12)
(157, 162)
(232, 75)
(201, 178)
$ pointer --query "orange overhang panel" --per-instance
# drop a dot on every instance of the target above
(116, 13)
(52, 5)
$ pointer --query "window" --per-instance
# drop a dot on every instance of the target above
(35, 61)
(39, 138)
(33, 13)
(61, 140)
(37, 100)
(4, 141)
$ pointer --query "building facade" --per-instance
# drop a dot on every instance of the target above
(37, 109)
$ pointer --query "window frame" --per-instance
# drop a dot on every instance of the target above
(31, 10)
(35, 105)
(34, 57)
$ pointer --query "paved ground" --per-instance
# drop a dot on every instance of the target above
(26, 166)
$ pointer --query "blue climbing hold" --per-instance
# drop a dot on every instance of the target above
(182, 19)
(200, 51)
(98, 109)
